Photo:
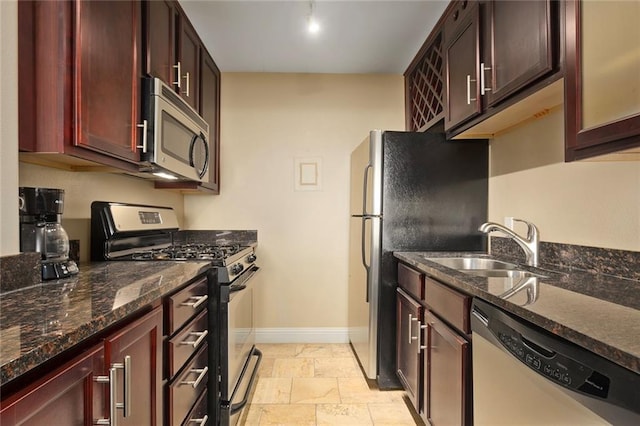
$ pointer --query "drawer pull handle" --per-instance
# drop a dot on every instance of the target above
(201, 422)
(200, 337)
(199, 300)
(201, 372)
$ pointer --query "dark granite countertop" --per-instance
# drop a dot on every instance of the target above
(596, 311)
(41, 321)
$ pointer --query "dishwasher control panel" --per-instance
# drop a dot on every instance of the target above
(608, 389)
(556, 367)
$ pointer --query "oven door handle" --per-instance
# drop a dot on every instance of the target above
(234, 408)
(243, 279)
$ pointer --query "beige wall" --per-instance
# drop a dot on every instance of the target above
(8, 128)
(81, 188)
(269, 120)
(585, 203)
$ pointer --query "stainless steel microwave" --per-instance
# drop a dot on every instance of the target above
(176, 139)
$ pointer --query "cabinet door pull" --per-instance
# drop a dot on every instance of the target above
(178, 75)
(469, 98)
(144, 136)
(201, 422)
(112, 379)
(186, 77)
(412, 338)
(125, 406)
(420, 328)
(200, 337)
(483, 89)
(201, 372)
(199, 300)
(105, 380)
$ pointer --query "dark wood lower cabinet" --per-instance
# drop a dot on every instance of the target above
(434, 349)
(136, 354)
(68, 396)
(78, 392)
(447, 367)
(186, 371)
(409, 354)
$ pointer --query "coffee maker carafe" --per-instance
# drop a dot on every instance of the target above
(41, 231)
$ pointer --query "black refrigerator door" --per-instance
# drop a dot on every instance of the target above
(434, 198)
(434, 192)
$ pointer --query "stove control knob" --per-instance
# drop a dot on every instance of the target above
(251, 258)
(237, 268)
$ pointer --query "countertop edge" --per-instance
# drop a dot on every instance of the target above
(468, 284)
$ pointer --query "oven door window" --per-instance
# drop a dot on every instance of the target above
(241, 333)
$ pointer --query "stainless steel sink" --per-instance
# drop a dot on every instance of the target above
(475, 263)
(502, 273)
(484, 267)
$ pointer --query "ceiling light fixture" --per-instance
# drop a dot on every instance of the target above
(312, 24)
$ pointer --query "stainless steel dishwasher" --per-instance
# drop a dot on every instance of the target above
(523, 375)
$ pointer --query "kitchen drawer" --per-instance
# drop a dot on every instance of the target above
(187, 387)
(184, 304)
(184, 344)
(411, 281)
(450, 305)
(198, 415)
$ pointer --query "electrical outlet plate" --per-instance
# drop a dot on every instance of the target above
(508, 222)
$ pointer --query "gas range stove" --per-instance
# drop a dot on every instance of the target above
(146, 233)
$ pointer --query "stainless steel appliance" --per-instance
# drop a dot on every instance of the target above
(409, 191)
(135, 232)
(40, 211)
(175, 137)
(523, 375)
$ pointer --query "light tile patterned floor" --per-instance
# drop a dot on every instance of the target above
(319, 384)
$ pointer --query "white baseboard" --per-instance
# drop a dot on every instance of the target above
(303, 335)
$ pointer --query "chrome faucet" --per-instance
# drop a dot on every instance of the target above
(529, 244)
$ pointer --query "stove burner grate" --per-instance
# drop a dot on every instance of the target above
(189, 252)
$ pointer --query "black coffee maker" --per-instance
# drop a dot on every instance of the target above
(41, 230)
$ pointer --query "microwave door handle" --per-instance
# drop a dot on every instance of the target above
(192, 163)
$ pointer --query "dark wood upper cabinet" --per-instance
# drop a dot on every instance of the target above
(107, 77)
(498, 53)
(210, 111)
(519, 49)
(79, 94)
(424, 86)
(602, 82)
(462, 58)
(160, 19)
(189, 62)
(176, 55)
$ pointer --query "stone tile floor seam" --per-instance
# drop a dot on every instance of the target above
(320, 384)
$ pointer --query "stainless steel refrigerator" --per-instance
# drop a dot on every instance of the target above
(409, 192)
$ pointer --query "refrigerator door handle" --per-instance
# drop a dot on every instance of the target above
(364, 256)
(364, 188)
